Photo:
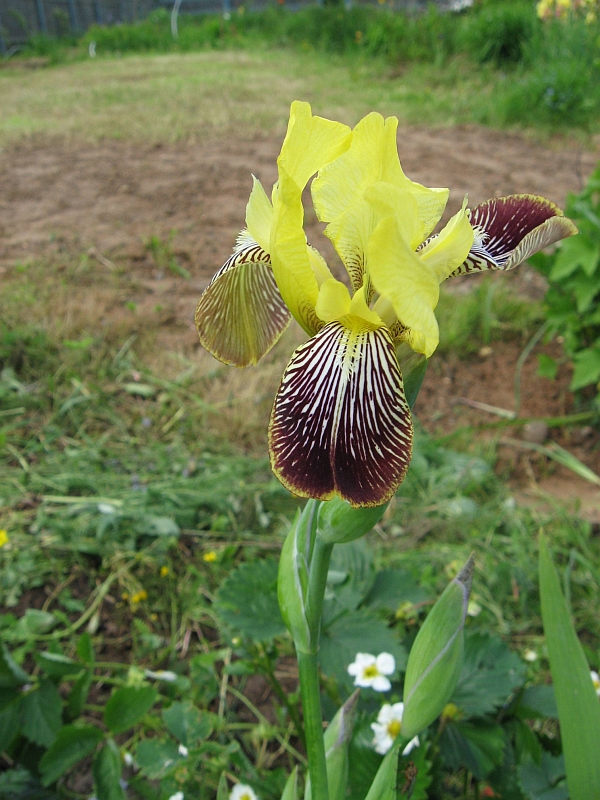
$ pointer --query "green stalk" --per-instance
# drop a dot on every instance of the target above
(308, 668)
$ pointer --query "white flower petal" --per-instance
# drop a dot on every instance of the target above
(242, 792)
(380, 684)
(364, 681)
(382, 744)
(386, 663)
(386, 714)
(411, 745)
(183, 751)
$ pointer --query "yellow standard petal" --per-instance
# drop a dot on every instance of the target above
(402, 278)
(310, 143)
(444, 253)
(259, 215)
(340, 188)
(290, 256)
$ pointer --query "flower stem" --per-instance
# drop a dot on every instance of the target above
(308, 669)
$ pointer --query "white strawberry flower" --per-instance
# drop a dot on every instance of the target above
(242, 792)
(596, 681)
(370, 671)
(388, 726)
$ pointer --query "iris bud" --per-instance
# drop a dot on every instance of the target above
(292, 580)
(436, 657)
(339, 523)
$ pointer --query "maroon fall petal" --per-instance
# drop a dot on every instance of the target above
(340, 424)
(508, 230)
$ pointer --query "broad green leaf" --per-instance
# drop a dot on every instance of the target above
(20, 784)
(85, 648)
(11, 674)
(222, 790)
(9, 726)
(384, 783)
(106, 769)
(78, 694)
(41, 714)
(72, 743)
(577, 251)
(490, 673)
(187, 723)
(478, 746)
(587, 368)
(504, 778)
(393, 587)
(544, 781)
(359, 631)
(436, 657)
(247, 601)
(154, 757)
(57, 665)
(547, 366)
(9, 696)
(290, 791)
(578, 706)
(34, 622)
(127, 706)
(537, 701)
(351, 567)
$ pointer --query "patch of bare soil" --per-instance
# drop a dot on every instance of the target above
(60, 200)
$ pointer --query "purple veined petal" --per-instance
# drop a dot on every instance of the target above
(508, 230)
(241, 313)
(340, 424)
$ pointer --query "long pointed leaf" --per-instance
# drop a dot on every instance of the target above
(578, 706)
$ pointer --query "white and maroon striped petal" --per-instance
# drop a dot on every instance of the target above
(241, 314)
(340, 424)
(510, 229)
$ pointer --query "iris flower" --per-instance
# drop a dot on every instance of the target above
(340, 423)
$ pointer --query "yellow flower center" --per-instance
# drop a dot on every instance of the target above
(245, 796)
(596, 683)
(371, 671)
(394, 728)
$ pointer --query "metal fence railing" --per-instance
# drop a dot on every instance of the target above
(20, 19)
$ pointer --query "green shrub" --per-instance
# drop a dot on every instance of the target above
(573, 298)
(499, 32)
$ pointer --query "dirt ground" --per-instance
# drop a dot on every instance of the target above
(65, 198)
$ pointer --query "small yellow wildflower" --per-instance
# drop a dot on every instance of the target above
(164, 571)
(138, 597)
(125, 596)
(209, 557)
(3, 538)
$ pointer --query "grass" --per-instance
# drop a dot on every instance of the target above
(169, 98)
